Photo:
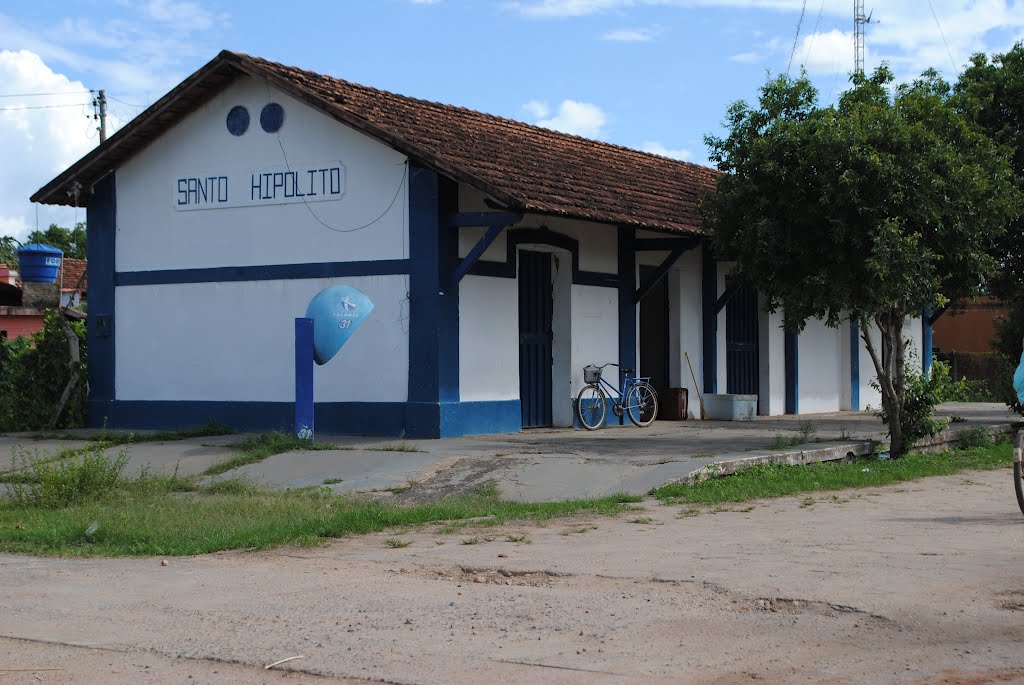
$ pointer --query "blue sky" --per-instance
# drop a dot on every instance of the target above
(650, 74)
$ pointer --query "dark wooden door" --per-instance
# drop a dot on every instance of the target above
(741, 348)
(535, 306)
(654, 337)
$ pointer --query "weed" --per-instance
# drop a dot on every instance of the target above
(475, 540)
(520, 537)
(973, 437)
(74, 477)
(439, 542)
(577, 530)
(643, 520)
(688, 513)
(333, 481)
(395, 543)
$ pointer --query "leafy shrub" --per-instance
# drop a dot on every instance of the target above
(973, 437)
(920, 396)
(962, 390)
(33, 374)
(72, 477)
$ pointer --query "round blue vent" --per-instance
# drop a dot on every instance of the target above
(238, 120)
(272, 117)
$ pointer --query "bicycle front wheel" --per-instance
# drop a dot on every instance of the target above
(642, 404)
(591, 407)
(1018, 484)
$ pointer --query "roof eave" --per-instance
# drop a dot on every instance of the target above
(90, 168)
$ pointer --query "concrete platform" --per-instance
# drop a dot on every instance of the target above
(542, 464)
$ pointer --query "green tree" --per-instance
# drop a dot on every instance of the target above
(877, 208)
(8, 251)
(70, 241)
(991, 94)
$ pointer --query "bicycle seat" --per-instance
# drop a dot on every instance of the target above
(626, 369)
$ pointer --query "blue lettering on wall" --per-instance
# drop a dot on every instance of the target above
(202, 191)
(275, 185)
(278, 185)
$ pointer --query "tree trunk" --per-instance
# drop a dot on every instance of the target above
(890, 368)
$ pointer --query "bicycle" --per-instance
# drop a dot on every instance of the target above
(636, 398)
(1018, 476)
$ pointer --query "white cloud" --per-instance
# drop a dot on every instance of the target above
(578, 118)
(535, 109)
(825, 53)
(38, 143)
(545, 9)
(746, 57)
(657, 148)
(641, 35)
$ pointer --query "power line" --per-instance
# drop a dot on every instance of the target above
(16, 109)
(799, 23)
(111, 97)
(810, 43)
(32, 95)
(943, 35)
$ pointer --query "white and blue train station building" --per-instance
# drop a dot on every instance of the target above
(501, 258)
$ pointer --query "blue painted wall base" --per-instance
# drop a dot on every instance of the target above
(390, 419)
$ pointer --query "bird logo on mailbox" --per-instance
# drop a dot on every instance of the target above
(337, 312)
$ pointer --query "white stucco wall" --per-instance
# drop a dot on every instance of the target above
(822, 374)
(771, 347)
(488, 339)
(235, 342)
(686, 322)
(595, 332)
(153, 234)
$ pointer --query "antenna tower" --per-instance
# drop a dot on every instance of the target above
(859, 22)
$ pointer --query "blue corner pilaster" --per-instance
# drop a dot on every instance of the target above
(926, 341)
(792, 354)
(627, 287)
(433, 308)
(101, 215)
(304, 379)
(855, 363)
(709, 296)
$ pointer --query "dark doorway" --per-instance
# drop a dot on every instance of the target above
(535, 305)
(654, 337)
(741, 348)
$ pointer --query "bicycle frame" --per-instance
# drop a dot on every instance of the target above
(618, 395)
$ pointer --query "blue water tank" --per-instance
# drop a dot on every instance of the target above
(39, 263)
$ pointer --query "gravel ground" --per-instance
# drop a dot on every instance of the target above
(919, 583)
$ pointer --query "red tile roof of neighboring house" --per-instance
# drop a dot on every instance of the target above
(523, 167)
(73, 275)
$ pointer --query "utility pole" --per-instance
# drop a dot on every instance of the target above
(99, 105)
(859, 21)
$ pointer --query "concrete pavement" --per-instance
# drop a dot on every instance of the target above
(536, 465)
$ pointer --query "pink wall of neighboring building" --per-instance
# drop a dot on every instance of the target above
(18, 325)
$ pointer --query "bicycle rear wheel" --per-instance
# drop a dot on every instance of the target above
(1018, 484)
(642, 404)
(1018, 469)
(591, 407)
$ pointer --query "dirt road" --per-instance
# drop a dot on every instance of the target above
(921, 583)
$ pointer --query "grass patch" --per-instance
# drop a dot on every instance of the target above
(259, 447)
(765, 481)
(168, 516)
(395, 543)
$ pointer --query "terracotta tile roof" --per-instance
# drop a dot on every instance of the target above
(73, 270)
(525, 167)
